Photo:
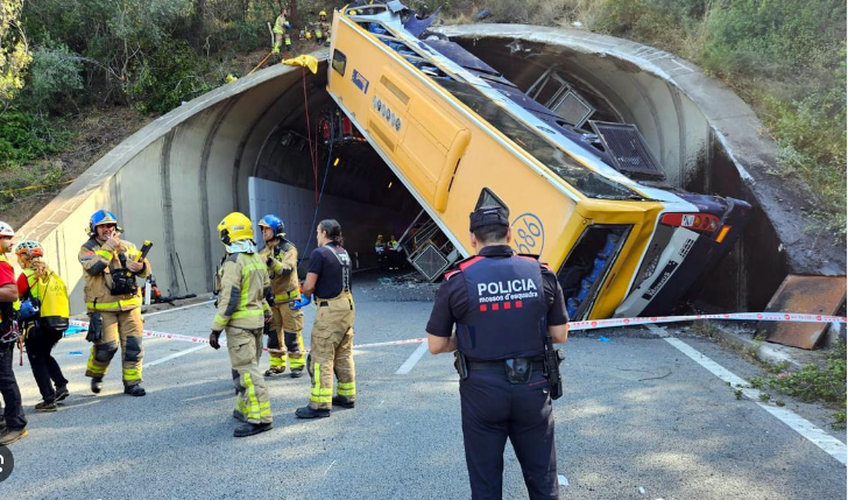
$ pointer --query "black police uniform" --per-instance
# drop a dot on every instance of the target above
(502, 305)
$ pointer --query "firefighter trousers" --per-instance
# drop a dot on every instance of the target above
(289, 327)
(124, 328)
(331, 351)
(245, 349)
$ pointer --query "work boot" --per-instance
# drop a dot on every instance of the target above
(343, 401)
(13, 435)
(45, 407)
(61, 393)
(239, 416)
(296, 372)
(309, 412)
(134, 390)
(274, 371)
(245, 430)
(96, 385)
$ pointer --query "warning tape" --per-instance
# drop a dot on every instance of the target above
(36, 186)
(82, 326)
(746, 316)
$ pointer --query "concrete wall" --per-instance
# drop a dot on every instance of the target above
(172, 182)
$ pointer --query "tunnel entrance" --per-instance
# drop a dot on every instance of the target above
(319, 168)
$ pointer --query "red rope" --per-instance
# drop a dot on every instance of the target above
(312, 151)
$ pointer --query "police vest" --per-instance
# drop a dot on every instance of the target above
(507, 314)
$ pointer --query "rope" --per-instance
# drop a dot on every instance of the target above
(323, 183)
(312, 152)
(260, 64)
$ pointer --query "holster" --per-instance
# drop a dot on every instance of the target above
(461, 365)
(95, 327)
(518, 370)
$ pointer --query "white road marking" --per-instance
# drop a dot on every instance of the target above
(802, 426)
(176, 355)
(178, 308)
(407, 366)
(329, 467)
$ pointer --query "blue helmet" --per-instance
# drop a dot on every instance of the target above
(275, 223)
(99, 218)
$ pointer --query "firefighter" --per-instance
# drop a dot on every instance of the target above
(331, 345)
(380, 250)
(242, 311)
(285, 337)
(113, 300)
(500, 339)
(281, 33)
(322, 29)
(13, 422)
(44, 318)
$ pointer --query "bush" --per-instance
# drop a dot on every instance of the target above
(54, 76)
(172, 74)
(25, 137)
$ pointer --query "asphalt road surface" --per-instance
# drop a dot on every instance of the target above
(639, 420)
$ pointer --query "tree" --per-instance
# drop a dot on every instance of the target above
(14, 52)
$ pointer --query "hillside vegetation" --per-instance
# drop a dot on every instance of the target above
(83, 57)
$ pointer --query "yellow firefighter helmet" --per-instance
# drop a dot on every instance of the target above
(235, 227)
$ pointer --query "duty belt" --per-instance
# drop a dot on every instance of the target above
(326, 302)
(498, 365)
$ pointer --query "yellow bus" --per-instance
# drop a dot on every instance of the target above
(459, 135)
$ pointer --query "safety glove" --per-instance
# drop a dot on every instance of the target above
(213, 340)
(300, 302)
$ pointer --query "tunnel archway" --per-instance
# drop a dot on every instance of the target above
(173, 180)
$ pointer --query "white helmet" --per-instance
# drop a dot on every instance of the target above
(6, 230)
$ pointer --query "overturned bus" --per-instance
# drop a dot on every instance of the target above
(586, 195)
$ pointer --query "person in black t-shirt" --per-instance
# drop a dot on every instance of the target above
(331, 345)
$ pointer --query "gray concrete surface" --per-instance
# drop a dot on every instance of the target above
(636, 414)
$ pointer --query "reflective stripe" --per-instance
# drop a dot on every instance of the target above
(220, 320)
(103, 253)
(346, 389)
(132, 373)
(253, 411)
(246, 313)
(278, 266)
(133, 302)
(276, 362)
(320, 394)
(93, 369)
(287, 296)
(297, 361)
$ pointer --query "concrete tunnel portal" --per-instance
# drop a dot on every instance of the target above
(246, 145)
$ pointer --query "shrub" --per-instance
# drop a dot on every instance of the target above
(54, 76)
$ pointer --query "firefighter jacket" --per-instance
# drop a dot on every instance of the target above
(280, 24)
(281, 257)
(241, 298)
(99, 263)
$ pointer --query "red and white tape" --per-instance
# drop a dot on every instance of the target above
(747, 316)
(205, 340)
(573, 326)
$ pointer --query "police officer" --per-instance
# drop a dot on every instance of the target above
(106, 259)
(285, 338)
(331, 345)
(242, 311)
(502, 305)
(13, 422)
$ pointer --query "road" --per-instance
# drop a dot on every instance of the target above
(639, 419)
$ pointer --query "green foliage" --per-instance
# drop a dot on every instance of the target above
(170, 75)
(815, 382)
(25, 137)
(54, 75)
(14, 52)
